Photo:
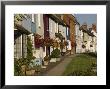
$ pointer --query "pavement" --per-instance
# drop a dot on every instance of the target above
(60, 68)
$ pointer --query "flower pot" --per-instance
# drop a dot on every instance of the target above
(53, 60)
(30, 72)
(45, 63)
(23, 69)
(58, 59)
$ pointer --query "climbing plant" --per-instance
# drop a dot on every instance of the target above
(29, 51)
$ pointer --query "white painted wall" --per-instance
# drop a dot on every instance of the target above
(69, 45)
(79, 39)
(95, 41)
(39, 53)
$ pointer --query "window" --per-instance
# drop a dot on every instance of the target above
(20, 46)
(67, 31)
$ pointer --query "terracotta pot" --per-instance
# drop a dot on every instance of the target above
(30, 72)
(23, 69)
(45, 62)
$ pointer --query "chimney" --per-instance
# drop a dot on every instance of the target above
(94, 27)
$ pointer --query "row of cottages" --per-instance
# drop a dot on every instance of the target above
(43, 26)
(86, 38)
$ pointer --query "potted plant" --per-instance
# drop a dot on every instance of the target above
(30, 71)
(46, 60)
(55, 55)
(91, 45)
(20, 66)
(83, 46)
(36, 65)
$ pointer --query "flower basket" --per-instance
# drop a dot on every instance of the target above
(62, 45)
(91, 45)
(59, 35)
(48, 42)
(39, 43)
(66, 43)
(83, 46)
(55, 44)
(46, 58)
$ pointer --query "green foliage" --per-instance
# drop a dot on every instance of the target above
(19, 17)
(55, 53)
(59, 35)
(82, 65)
(17, 67)
(92, 54)
(29, 51)
(46, 58)
(94, 64)
(24, 61)
(88, 72)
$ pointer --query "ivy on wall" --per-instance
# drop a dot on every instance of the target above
(29, 50)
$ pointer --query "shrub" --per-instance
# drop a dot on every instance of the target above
(92, 54)
(55, 53)
(17, 66)
(88, 72)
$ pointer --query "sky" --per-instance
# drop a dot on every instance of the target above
(86, 18)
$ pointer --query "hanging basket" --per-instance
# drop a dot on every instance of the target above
(83, 46)
(91, 45)
(48, 42)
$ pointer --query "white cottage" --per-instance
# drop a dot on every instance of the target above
(79, 38)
